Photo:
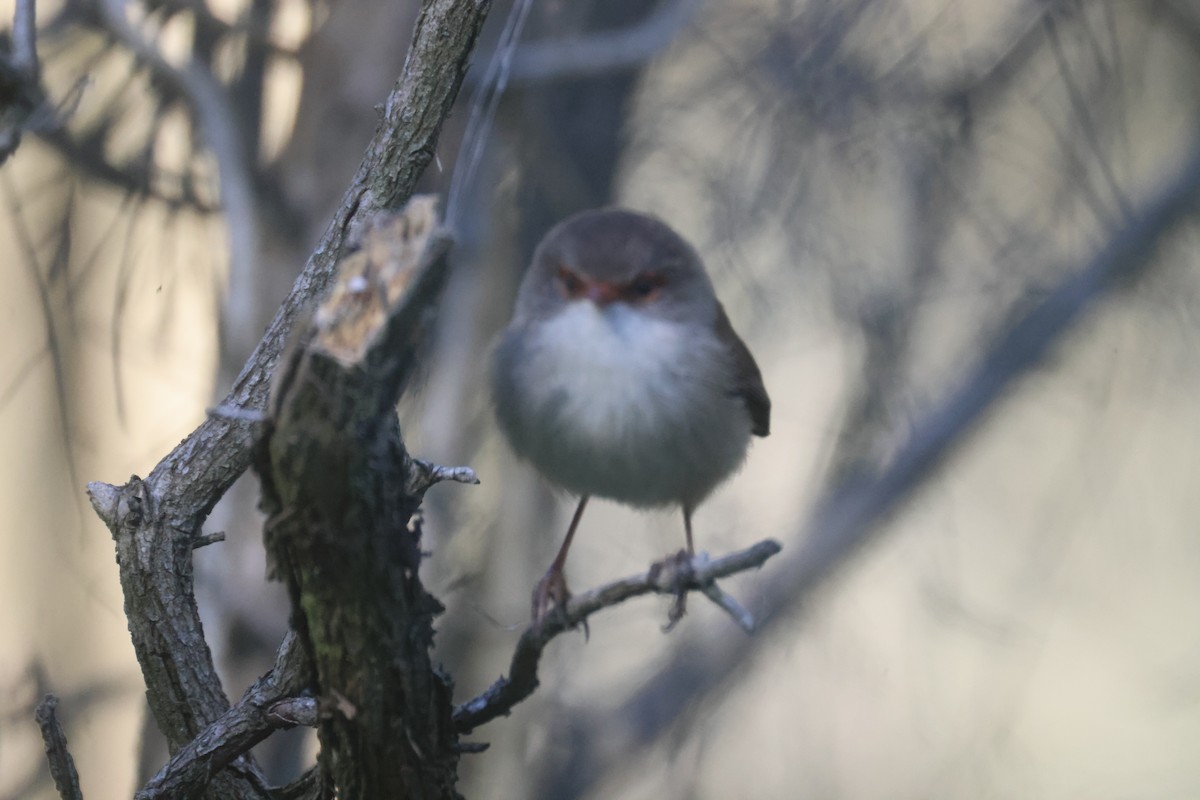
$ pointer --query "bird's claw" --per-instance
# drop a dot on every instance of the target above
(677, 612)
(675, 571)
(550, 597)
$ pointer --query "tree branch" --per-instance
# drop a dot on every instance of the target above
(268, 705)
(603, 51)
(24, 47)
(273, 703)
(62, 766)
(156, 521)
(22, 100)
(215, 116)
(669, 577)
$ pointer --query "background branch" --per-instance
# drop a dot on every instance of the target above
(24, 48)
(22, 100)
(596, 53)
(219, 125)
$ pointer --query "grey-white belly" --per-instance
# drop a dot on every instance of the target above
(614, 404)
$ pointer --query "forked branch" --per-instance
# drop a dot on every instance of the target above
(669, 577)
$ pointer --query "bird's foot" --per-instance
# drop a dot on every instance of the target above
(675, 571)
(550, 597)
(677, 612)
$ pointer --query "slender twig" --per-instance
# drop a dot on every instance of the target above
(426, 474)
(605, 51)
(204, 540)
(62, 766)
(1083, 109)
(729, 604)
(697, 574)
(252, 415)
(483, 109)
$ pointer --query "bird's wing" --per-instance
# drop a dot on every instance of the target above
(747, 378)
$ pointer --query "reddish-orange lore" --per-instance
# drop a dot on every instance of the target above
(645, 288)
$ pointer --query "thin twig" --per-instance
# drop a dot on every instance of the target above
(62, 766)
(426, 474)
(604, 51)
(483, 109)
(231, 412)
(729, 604)
(696, 575)
(204, 540)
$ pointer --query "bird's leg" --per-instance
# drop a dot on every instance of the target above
(687, 529)
(679, 607)
(551, 590)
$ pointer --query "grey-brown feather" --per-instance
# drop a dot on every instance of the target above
(748, 380)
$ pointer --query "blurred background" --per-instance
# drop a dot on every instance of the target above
(878, 189)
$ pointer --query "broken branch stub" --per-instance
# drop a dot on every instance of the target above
(336, 488)
(391, 252)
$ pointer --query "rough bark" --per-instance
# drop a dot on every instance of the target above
(341, 491)
(156, 522)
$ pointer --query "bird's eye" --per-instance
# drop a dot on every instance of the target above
(570, 283)
(645, 287)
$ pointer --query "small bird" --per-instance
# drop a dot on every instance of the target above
(620, 375)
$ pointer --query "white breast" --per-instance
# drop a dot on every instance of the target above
(618, 403)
